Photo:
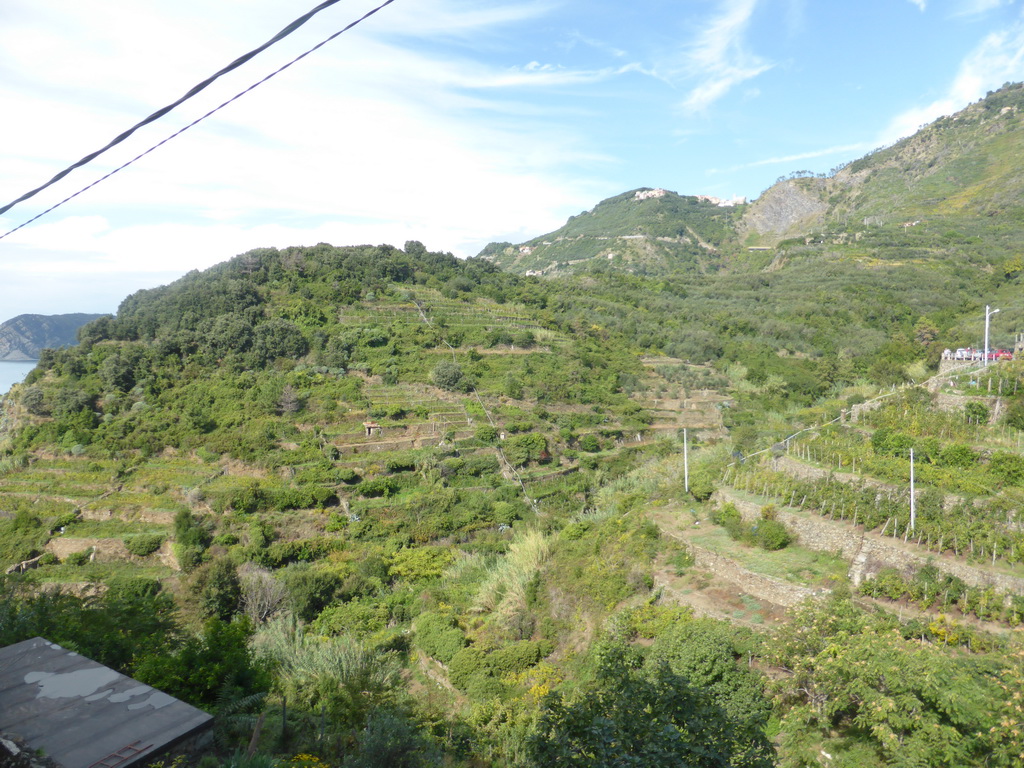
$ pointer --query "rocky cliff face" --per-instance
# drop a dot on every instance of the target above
(787, 209)
(25, 336)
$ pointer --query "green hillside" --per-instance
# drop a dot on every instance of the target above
(380, 506)
(643, 232)
(949, 194)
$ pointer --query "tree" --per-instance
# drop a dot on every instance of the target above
(976, 412)
(337, 674)
(278, 338)
(262, 594)
(635, 717)
(310, 590)
(391, 740)
(34, 401)
(448, 375)
(217, 586)
(206, 666)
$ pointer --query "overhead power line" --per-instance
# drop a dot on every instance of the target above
(161, 112)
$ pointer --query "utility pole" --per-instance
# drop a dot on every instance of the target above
(686, 462)
(913, 515)
(988, 314)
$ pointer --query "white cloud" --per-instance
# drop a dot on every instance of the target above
(719, 59)
(920, 4)
(979, 7)
(845, 150)
(997, 59)
(362, 120)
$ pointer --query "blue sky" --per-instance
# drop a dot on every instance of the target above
(453, 122)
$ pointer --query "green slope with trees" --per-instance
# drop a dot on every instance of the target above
(416, 511)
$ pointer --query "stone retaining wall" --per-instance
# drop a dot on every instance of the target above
(159, 516)
(109, 550)
(765, 587)
(869, 553)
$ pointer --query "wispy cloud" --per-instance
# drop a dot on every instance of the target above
(845, 149)
(921, 4)
(997, 59)
(719, 59)
(978, 7)
(384, 136)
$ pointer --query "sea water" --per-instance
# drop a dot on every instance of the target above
(12, 373)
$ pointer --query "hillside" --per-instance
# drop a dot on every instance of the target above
(25, 336)
(949, 193)
(422, 511)
(644, 231)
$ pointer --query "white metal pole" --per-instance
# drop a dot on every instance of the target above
(686, 462)
(913, 516)
(988, 314)
(986, 333)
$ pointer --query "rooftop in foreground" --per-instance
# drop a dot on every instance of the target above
(82, 714)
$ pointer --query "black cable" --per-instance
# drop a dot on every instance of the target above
(161, 112)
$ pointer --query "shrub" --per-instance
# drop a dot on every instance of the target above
(476, 466)
(79, 558)
(771, 535)
(465, 663)
(1008, 467)
(976, 412)
(486, 434)
(449, 376)
(702, 486)
(517, 657)
(483, 687)
(958, 455)
(348, 475)
(438, 636)
(310, 590)
(352, 618)
(521, 449)
(379, 487)
(143, 544)
(729, 518)
(395, 464)
(420, 563)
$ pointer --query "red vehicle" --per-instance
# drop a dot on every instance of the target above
(1000, 354)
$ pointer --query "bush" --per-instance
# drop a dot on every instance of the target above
(521, 449)
(310, 590)
(384, 487)
(702, 486)
(438, 636)
(517, 657)
(348, 475)
(771, 535)
(465, 663)
(484, 687)
(352, 618)
(79, 558)
(449, 376)
(486, 434)
(1008, 467)
(144, 544)
(729, 518)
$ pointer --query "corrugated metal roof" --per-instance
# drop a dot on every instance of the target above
(81, 713)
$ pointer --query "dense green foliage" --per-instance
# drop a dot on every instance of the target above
(428, 512)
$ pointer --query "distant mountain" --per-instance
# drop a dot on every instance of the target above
(25, 336)
(953, 191)
(644, 231)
